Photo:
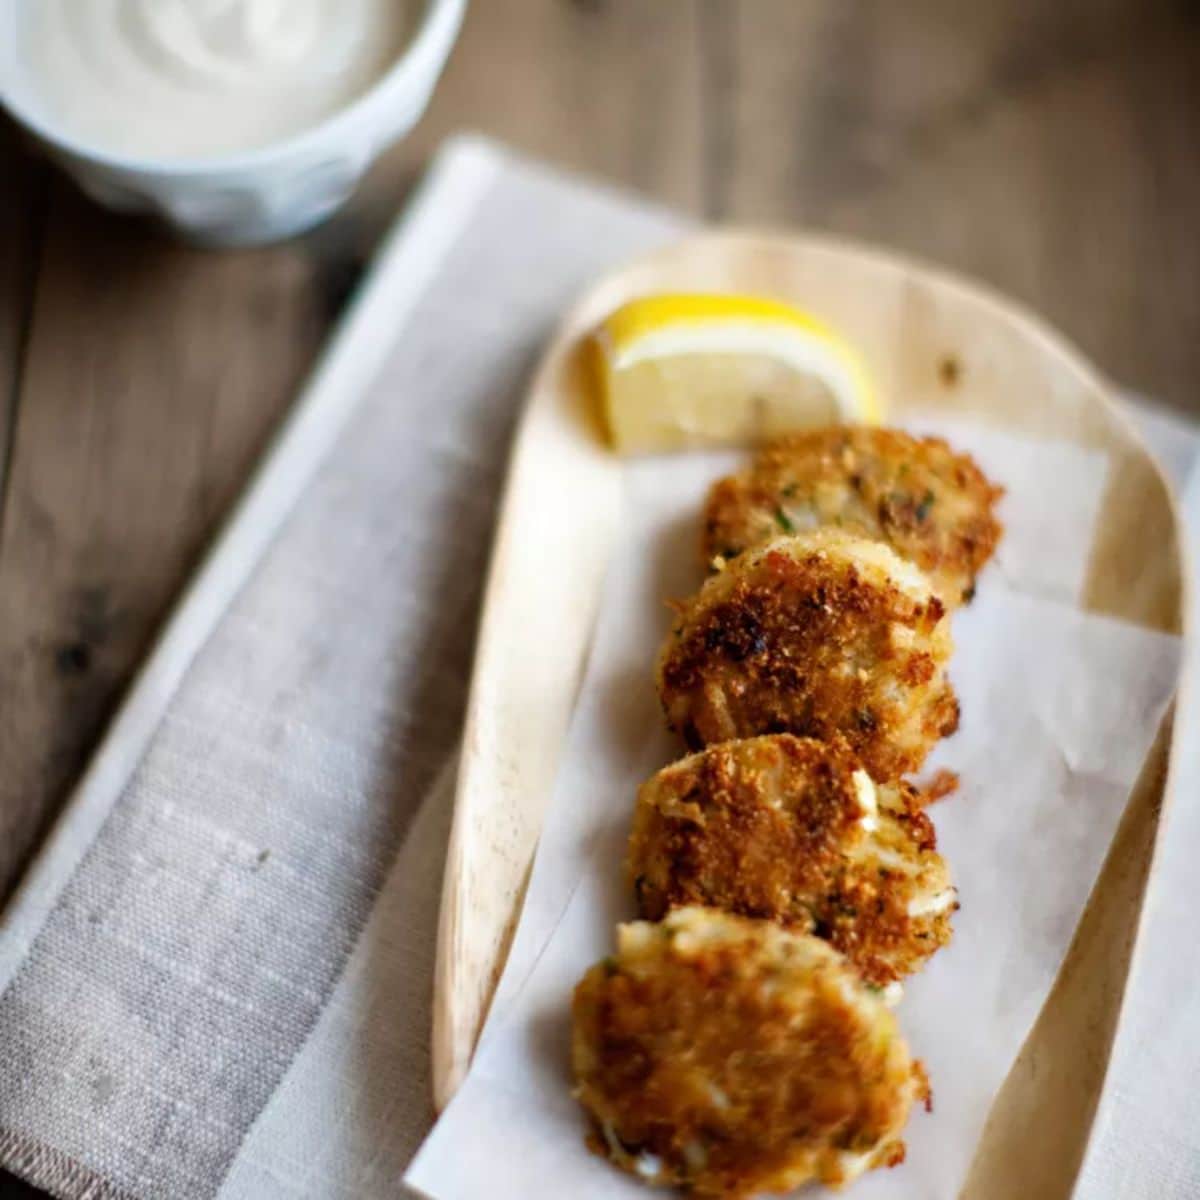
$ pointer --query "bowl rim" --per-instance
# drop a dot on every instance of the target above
(425, 53)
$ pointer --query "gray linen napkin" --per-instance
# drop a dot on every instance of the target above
(215, 980)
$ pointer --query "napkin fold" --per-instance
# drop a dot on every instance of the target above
(214, 981)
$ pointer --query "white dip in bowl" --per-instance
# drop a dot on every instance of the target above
(236, 120)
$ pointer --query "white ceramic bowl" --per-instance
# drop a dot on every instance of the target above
(254, 196)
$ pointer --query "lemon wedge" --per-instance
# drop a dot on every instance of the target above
(711, 370)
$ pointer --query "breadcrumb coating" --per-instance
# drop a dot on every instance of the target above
(931, 504)
(817, 635)
(795, 831)
(732, 1057)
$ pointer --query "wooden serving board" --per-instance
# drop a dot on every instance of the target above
(931, 340)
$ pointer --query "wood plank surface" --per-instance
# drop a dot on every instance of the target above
(151, 376)
(22, 203)
(1051, 150)
(608, 87)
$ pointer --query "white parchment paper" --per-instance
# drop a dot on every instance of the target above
(1059, 709)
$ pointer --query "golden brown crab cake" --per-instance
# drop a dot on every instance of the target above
(816, 635)
(932, 505)
(731, 1057)
(794, 830)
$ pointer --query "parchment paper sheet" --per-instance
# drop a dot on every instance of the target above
(1059, 709)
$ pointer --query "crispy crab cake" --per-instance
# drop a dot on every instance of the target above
(932, 505)
(731, 1057)
(816, 635)
(794, 830)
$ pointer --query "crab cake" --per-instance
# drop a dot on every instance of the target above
(732, 1057)
(794, 830)
(930, 504)
(815, 635)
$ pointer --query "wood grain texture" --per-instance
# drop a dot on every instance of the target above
(611, 87)
(21, 203)
(152, 375)
(22, 200)
(521, 694)
(608, 87)
(1050, 150)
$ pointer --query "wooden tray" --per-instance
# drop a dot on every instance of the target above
(930, 340)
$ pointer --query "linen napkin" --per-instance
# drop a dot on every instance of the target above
(215, 980)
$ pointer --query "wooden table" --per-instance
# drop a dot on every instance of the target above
(1053, 150)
